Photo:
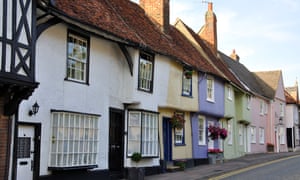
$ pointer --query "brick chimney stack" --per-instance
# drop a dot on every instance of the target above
(234, 56)
(159, 10)
(209, 31)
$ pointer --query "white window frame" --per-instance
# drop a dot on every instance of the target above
(266, 107)
(281, 135)
(230, 92)
(261, 135)
(281, 110)
(248, 101)
(201, 130)
(241, 134)
(261, 107)
(77, 57)
(210, 140)
(142, 133)
(186, 83)
(229, 131)
(253, 134)
(179, 136)
(146, 70)
(210, 89)
(74, 140)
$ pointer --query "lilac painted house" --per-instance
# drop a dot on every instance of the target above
(211, 109)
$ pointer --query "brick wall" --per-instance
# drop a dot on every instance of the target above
(159, 10)
(4, 130)
(209, 31)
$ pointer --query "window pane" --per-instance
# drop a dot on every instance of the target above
(143, 133)
(77, 57)
(145, 72)
(69, 142)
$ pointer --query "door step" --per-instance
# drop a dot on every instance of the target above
(172, 168)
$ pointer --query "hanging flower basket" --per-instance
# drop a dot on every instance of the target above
(177, 121)
(188, 74)
(217, 132)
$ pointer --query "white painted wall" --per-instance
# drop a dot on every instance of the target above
(110, 85)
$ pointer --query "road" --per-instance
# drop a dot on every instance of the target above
(287, 169)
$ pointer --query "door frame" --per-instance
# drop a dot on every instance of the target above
(37, 148)
(120, 111)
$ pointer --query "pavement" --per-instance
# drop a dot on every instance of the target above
(211, 170)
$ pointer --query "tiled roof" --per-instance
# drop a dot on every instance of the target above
(255, 84)
(289, 98)
(271, 78)
(128, 21)
(215, 61)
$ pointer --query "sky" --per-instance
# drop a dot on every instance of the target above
(265, 34)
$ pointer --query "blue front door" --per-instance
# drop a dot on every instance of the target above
(167, 133)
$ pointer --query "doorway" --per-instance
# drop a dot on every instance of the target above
(27, 156)
(167, 138)
(116, 142)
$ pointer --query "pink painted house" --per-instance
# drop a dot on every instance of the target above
(276, 120)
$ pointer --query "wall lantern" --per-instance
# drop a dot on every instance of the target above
(34, 110)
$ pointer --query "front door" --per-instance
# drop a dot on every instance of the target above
(116, 136)
(167, 133)
(27, 138)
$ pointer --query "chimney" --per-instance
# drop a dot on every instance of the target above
(209, 31)
(159, 11)
(234, 56)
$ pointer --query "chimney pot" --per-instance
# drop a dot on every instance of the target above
(210, 6)
(234, 56)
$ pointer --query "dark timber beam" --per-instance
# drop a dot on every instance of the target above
(128, 57)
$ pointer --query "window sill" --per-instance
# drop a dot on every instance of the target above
(185, 95)
(72, 168)
(75, 81)
(210, 100)
(180, 144)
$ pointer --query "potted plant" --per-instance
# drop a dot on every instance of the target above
(215, 155)
(177, 121)
(188, 74)
(270, 147)
(136, 173)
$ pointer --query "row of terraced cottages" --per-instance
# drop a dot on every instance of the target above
(85, 84)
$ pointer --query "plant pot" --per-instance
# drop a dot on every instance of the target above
(136, 173)
(212, 158)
